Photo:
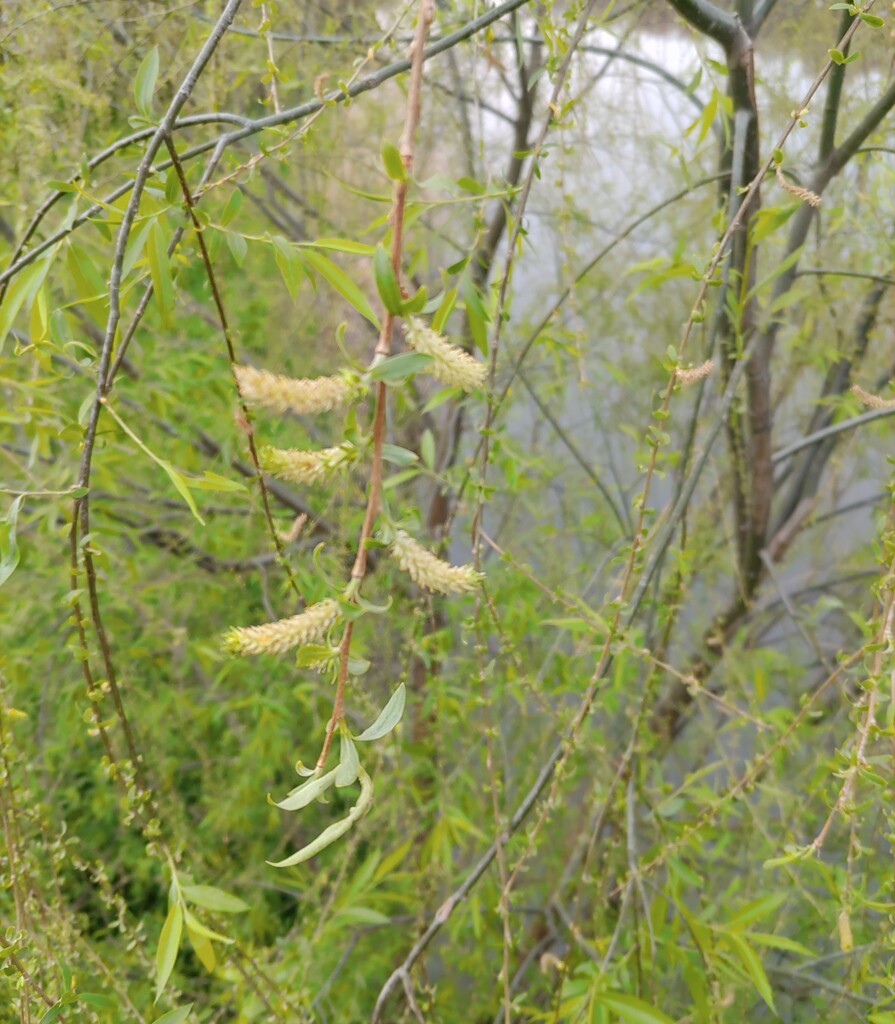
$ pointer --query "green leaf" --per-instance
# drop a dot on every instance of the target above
(396, 369)
(239, 247)
(97, 1000)
(176, 1016)
(195, 925)
(289, 264)
(340, 245)
(836, 56)
(214, 899)
(168, 944)
(215, 482)
(135, 246)
(631, 1009)
(363, 915)
(144, 83)
(778, 942)
(9, 551)
(398, 456)
(427, 449)
(342, 283)
(349, 764)
(232, 207)
(21, 292)
(388, 718)
(752, 911)
(873, 20)
(793, 853)
(394, 165)
(752, 965)
(307, 792)
(336, 830)
(182, 486)
(160, 269)
(386, 281)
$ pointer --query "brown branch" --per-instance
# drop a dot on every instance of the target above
(383, 348)
(231, 352)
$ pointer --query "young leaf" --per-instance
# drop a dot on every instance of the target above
(195, 925)
(752, 965)
(386, 281)
(168, 944)
(176, 1016)
(388, 717)
(394, 165)
(341, 282)
(398, 456)
(349, 764)
(144, 83)
(336, 830)
(9, 552)
(214, 899)
(632, 1010)
(307, 792)
(396, 369)
(203, 949)
(160, 268)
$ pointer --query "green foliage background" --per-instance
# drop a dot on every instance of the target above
(661, 874)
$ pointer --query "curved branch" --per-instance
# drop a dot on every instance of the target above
(366, 84)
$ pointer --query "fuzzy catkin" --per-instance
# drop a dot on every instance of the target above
(450, 364)
(430, 572)
(288, 394)
(277, 637)
(304, 467)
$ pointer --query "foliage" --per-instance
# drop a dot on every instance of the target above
(348, 416)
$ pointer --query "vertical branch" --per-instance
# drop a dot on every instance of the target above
(231, 352)
(382, 350)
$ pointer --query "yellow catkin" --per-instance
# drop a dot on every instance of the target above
(450, 364)
(304, 467)
(430, 572)
(287, 394)
(277, 637)
(695, 373)
(805, 194)
(872, 401)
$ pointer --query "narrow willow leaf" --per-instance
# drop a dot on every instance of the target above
(238, 248)
(215, 482)
(388, 717)
(168, 944)
(144, 83)
(182, 487)
(340, 245)
(349, 765)
(391, 159)
(9, 551)
(176, 1016)
(752, 965)
(396, 369)
(307, 792)
(631, 1009)
(160, 269)
(752, 911)
(289, 264)
(342, 283)
(203, 949)
(211, 898)
(398, 456)
(386, 281)
(23, 288)
(336, 830)
(195, 925)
